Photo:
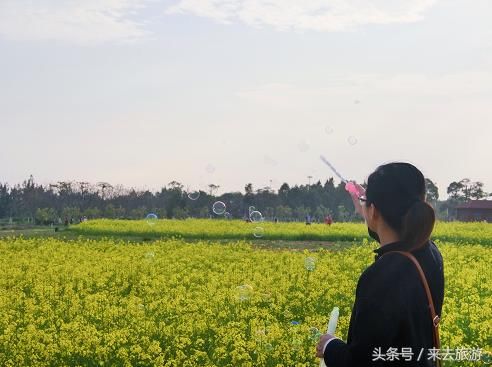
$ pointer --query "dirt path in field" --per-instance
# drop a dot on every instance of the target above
(257, 243)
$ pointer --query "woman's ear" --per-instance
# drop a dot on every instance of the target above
(371, 212)
(372, 215)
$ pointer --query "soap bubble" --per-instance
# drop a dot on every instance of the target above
(303, 146)
(194, 195)
(258, 232)
(244, 292)
(256, 216)
(260, 338)
(296, 343)
(261, 332)
(219, 208)
(270, 161)
(150, 255)
(251, 209)
(151, 219)
(262, 346)
(352, 140)
(310, 263)
(314, 334)
(210, 168)
(328, 130)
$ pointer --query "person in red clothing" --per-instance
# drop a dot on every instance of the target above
(328, 220)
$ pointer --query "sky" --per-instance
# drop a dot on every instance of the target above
(144, 92)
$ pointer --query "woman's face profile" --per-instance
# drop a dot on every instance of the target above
(371, 216)
(368, 212)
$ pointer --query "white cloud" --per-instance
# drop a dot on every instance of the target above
(86, 21)
(318, 15)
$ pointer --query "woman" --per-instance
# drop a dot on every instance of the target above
(391, 308)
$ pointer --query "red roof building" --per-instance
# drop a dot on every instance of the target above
(475, 210)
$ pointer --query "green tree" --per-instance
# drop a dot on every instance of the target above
(92, 213)
(71, 212)
(45, 215)
(180, 213)
(476, 191)
(283, 212)
(139, 213)
(343, 214)
(455, 190)
(432, 192)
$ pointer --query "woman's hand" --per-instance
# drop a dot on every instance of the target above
(321, 344)
(355, 198)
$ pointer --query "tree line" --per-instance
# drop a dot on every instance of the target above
(34, 203)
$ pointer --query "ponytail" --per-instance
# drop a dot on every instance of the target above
(417, 224)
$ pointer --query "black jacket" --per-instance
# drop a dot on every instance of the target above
(391, 310)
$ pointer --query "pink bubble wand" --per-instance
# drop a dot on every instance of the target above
(349, 185)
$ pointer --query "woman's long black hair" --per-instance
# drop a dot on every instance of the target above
(398, 191)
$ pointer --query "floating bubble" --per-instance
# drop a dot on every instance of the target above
(210, 168)
(251, 209)
(260, 338)
(266, 347)
(150, 255)
(287, 314)
(296, 343)
(328, 130)
(258, 232)
(244, 292)
(310, 263)
(194, 195)
(314, 334)
(303, 146)
(256, 216)
(352, 140)
(151, 219)
(266, 297)
(270, 161)
(219, 208)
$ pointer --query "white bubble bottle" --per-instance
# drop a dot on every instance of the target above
(332, 326)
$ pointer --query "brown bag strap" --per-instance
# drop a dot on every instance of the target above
(434, 317)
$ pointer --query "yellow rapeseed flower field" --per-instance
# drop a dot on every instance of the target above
(110, 302)
(477, 233)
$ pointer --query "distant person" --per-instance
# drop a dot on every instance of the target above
(308, 220)
(275, 220)
(66, 222)
(328, 220)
